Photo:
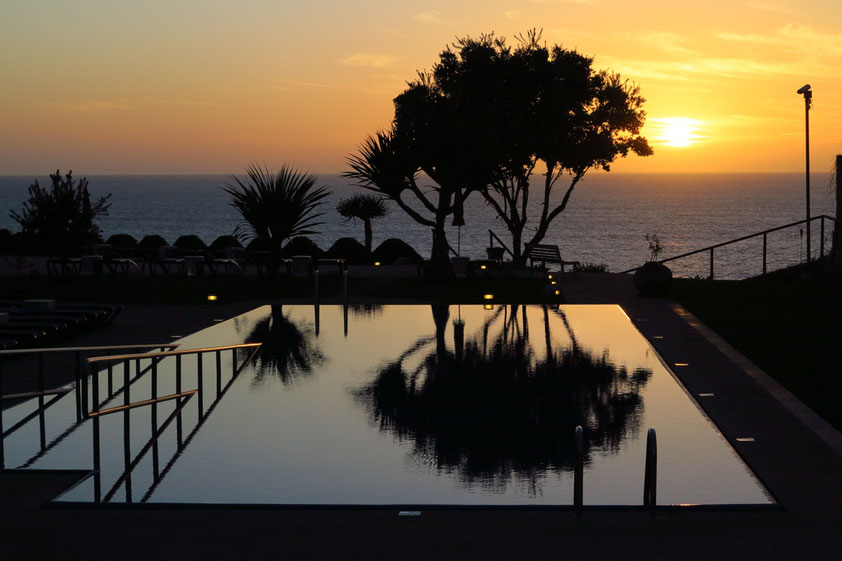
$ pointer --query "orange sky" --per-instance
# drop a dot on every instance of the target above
(207, 87)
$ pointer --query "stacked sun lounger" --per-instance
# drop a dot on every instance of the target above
(33, 323)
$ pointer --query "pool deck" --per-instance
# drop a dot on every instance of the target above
(794, 454)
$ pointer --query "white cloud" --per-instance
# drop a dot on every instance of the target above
(370, 60)
(512, 14)
(794, 39)
(430, 17)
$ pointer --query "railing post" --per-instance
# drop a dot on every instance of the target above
(218, 372)
(78, 377)
(345, 287)
(316, 279)
(764, 253)
(200, 382)
(650, 477)
(2, 440)
(711, 263)
(578, 473)
(821, 241)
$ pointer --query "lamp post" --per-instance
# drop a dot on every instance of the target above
(808, 97)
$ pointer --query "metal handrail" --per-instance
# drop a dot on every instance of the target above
(42, 392)
(764, 233)
(97, 365)
(108, 358)
(11, 352)
(492, 236)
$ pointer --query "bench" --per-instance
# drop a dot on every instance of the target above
(545, 253)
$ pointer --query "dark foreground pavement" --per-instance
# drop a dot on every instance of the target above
(802, 469)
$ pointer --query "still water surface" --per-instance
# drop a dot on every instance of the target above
(411, 405)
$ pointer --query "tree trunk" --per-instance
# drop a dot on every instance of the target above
(368, 236)
(518, 256)
(441, 313)
(439, 256)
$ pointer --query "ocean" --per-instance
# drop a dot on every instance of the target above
(606, 221)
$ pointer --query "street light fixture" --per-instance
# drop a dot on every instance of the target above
(808, 101)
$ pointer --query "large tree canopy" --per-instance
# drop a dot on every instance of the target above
(484, 118)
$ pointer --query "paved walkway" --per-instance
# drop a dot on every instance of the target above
(801, 468)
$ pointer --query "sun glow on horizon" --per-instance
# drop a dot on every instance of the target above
(678, 132)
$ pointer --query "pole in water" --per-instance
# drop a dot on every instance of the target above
(578, 473)
(650, 477)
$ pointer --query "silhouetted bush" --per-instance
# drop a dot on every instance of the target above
(60, 218)
(190, 243)
(122, 240)
(591, 268)
(225, 242)
(393, 250)
(152, 242)
(302, 246)
(348, 249)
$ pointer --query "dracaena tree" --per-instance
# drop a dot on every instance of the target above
(565, 117)
(366, 208)
(276, 206)
(486, 118)
(440, 148)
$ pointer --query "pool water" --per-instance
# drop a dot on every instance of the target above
(403, 405)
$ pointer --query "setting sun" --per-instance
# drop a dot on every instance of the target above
(678, 132)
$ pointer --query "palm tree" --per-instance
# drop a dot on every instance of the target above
(276, 206)
(366, 208)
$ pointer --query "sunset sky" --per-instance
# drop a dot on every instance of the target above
(209, 86)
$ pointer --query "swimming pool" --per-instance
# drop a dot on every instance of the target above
(401, 405)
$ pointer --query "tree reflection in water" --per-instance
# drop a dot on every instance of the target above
(494, 409)
(289, 351)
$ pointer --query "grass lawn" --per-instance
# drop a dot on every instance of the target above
(790, 327)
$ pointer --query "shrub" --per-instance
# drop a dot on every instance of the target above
(225, 242)
(302, 246)
(348, 249)
(61, 217)
(190, 243)
(122, 240)
(393, 249)
(152, 242)
(591, 268)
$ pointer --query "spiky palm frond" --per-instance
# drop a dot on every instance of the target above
(364, 207)
(380, 165)
(276, 206)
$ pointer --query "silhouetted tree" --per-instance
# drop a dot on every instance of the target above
(62, 216)
(559, 112)
(447, 130)
(366, 208)
(276, 206)
(495, 407)
(484, 118)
